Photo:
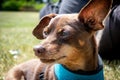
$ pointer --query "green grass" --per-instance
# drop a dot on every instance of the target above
(16, 34)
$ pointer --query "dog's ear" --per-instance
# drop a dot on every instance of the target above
(38, 30)
(93, 14)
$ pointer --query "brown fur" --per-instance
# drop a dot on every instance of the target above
(68, 40)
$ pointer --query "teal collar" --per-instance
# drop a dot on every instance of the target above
(63, 73)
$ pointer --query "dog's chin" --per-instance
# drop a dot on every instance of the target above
(45, 60)
(48, 60)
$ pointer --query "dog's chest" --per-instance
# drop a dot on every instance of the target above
(62, 73)
(58, 72)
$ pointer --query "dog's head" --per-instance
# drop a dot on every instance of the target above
(69, 37)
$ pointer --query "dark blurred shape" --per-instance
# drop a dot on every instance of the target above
(109, 47)
(50, 7)
(1, 2)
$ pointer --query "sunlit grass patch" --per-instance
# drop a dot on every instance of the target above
(16, 35)
(112, 70)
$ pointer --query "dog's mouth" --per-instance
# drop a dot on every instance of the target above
(51, 60)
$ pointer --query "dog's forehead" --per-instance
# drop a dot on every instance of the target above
(65, 18)
(61, 21)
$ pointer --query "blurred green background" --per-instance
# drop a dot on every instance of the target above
(21, 5)
(17, 20)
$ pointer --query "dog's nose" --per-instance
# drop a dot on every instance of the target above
(39, 49)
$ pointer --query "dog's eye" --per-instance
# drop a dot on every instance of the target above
(45, 34)
(64, 34)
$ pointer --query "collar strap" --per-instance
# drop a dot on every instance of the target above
(64, 74)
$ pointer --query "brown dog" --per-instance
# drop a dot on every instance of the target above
(69, 41)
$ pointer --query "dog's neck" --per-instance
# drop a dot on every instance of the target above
(87, 61)
(88, 65)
